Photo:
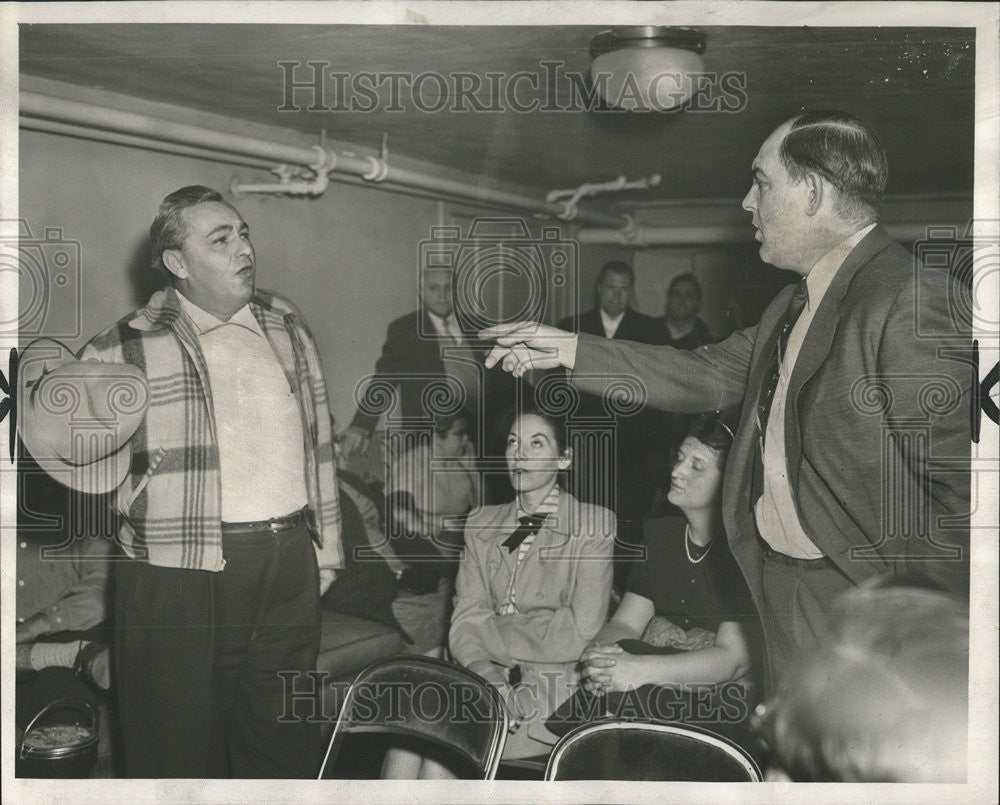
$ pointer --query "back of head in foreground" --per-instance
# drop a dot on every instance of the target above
(884, 699)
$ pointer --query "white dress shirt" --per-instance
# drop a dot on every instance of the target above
(611, 324)
(777, 517)
(446, 328)
(257, 419)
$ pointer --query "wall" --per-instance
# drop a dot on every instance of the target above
(736, 285)
(347, 259)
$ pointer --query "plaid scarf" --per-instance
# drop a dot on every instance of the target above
(171, 499)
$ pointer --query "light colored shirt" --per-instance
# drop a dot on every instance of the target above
(68, 585)
(441, 487)
(777, 517)
(446, 328)
(611, 324)
(258, 424)
(548, 507)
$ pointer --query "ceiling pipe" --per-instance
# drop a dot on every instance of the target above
(88, 133)
(105, 119)
(642, 237)
(570, 209)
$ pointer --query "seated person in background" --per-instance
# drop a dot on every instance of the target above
(885, 699)
(533, 587)
(676, 638)
(62, 592)
(429, 489)
(680, 327)
(367, 585)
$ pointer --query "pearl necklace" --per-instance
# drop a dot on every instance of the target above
(687, 545)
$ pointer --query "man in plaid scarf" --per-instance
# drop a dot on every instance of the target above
(230, 512)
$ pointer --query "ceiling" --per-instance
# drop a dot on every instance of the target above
(915, 85)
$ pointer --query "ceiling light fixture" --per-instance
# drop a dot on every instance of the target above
(647, 67)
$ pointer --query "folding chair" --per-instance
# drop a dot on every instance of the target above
(641, 750)
(421, 697)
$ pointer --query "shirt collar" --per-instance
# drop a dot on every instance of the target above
(822, 274)
(608, 320)
(205, 322)
(441, 325)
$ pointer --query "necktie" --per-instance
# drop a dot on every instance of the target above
(454, 331)
(528, 525)
(795, 307)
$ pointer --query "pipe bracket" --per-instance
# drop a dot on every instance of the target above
(380, 169)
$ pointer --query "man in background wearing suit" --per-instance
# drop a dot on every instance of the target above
(681, 327)
(428, 356)
(412, 359)
(851, 458)
(613, 318)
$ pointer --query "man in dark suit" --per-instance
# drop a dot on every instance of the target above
(681, 327)
(428, 357)
(851, 459)
(612, 317)
(411, 360)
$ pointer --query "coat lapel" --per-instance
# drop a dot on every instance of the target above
(816, 346)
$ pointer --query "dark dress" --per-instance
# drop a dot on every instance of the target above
(702, 594)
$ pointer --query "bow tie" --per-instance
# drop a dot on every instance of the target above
(529, 525)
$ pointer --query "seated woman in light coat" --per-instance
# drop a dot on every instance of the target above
(533, 586)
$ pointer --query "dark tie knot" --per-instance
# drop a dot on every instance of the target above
(800, 297)
(527, 526)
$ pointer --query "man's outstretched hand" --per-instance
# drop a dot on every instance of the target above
(524, 345)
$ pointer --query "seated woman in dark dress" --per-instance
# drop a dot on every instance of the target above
(677, 644)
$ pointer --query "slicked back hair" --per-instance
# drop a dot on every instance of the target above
(616, 267)
(843, 150)
(167, 230)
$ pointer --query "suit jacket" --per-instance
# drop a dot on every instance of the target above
(410, 361)
(877, 425)
(634, 326)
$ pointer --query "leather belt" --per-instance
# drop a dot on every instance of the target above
(809, 564)
(293, 520)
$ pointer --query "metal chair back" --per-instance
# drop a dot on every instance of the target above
(640, 750)
(426, 698)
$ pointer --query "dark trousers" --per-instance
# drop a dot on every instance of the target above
(199, 656)
(798, 596)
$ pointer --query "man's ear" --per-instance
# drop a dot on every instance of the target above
(173, 261)
(813, 187)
